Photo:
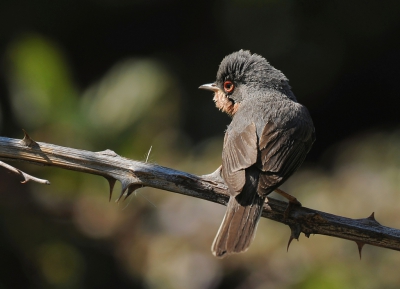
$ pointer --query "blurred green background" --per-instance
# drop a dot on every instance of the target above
(123, 75)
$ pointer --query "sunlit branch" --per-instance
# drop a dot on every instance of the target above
(134, 175)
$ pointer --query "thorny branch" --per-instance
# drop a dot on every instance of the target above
(134, 175)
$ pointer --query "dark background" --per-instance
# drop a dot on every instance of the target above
(342, 59)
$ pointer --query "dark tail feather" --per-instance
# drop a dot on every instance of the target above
(239, 225)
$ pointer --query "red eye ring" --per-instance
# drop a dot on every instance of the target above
(228, 86)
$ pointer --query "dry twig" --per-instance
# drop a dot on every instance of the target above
(133, 175)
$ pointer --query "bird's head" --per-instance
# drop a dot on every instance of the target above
(242, 75)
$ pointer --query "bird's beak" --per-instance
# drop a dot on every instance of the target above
(210, 86)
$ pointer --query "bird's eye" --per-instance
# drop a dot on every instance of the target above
(228, 86)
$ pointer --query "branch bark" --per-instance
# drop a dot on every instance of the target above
(133, 175)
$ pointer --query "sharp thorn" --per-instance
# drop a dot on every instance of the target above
(288, 244)
(120, 196)
(370, 220)
(27, 141)
(108, 152)
(131, 189)
(111, 182)
(372, 216)
(125, 186)
(360, 246)
(294, 234)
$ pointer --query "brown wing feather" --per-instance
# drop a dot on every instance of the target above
(239, 153)
(240, 222)
(281, 152)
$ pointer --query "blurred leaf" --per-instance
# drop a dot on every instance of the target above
(41, 86)
(128, 92)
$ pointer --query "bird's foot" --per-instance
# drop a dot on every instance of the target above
(293, 202)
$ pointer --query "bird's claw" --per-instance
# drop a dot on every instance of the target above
(291, 205)
(293, 202)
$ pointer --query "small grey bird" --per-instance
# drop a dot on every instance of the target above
(267, 140)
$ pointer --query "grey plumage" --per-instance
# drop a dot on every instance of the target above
(267, 140)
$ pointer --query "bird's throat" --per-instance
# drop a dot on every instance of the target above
(225, 104)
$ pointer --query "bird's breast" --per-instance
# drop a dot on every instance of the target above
(225, 104)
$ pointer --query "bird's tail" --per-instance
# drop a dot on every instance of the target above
(239, 225)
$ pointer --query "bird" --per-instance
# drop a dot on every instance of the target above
(267, 140)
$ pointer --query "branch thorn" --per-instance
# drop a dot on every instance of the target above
(131, 189)
(360, 246)
(111, 182)
(372, 216)
(27, 141)
(124, 187)
(288, 244)
(295, 231)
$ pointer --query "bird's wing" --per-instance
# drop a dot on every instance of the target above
(239, 152)
(282, 151)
